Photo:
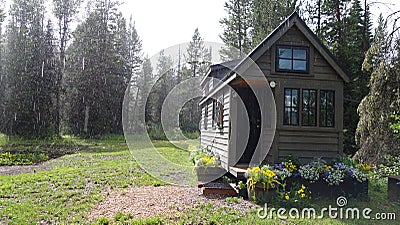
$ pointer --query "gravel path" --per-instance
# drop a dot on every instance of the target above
(149, 201)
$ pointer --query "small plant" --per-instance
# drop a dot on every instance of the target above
(297, 197)
(241, 185)
(264, 175)
(308, 172)
(205, 158)
(8, 159)
(103, 221)
(233, 200)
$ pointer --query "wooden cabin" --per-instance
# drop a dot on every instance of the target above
(306, 83)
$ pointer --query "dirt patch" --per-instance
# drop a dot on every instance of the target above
(149, 201)
(16, 170)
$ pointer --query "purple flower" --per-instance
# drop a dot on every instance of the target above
(296, 174)
(279, 166)
(246, 175)
(351, 173)
(339, 166)
(326, 174)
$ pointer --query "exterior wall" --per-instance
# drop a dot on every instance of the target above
(214, 138)
(303, 141)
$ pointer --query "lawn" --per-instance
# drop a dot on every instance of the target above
(75, 183)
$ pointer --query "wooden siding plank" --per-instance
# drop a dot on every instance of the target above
(308, 146)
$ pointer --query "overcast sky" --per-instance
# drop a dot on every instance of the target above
(162, 24)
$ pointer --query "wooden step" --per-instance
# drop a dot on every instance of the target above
(218, 188)
(238, 171)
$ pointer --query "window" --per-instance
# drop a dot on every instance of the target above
(309, 108)
(214, 112)
(327, 109)
(220, 114)
(205, 116)
(291, 115)
(292, 59)
(217, 113)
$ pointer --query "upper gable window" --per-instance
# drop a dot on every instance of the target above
(292, 59)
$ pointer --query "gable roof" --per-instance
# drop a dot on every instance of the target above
(293, 20)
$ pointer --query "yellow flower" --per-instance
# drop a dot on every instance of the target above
(364, 167)
(290, 166)
(300, 191)
(303, 195)
(287, 197)
(328, 167)
(269, 173)
(255, 170)
(303, 187)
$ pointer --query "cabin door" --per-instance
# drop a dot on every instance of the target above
(254, 114)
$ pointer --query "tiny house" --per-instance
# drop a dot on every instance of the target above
(306, 83)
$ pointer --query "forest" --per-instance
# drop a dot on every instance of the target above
(63, 76)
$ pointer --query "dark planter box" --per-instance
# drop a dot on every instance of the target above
(208, 174)
(394, 188)
(349, 188)
(260, 194)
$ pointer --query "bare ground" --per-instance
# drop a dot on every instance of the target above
(149, 201)
(16, 170)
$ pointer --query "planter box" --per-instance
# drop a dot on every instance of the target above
(349, 187)
(394, 188)
(260, 194)
(208, 174)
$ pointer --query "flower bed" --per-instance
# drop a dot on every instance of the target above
(341, 178)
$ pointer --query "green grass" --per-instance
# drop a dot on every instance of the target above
(66, 193)
(76, 182)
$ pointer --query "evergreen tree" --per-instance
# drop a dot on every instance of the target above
(163, 85)
(268, 15)
(29, 70)
(2, 60)
(64, 11)
(98, 72)
(373, 132)
(237, 27)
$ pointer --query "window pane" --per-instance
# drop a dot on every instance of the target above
(299, 65)
(299, 54)
(291, 116)
(295, 96)
(327, 109)
(294, 118)
(286, 117)
(285, 64)
(285, 53)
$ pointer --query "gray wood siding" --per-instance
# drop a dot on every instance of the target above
(214, 138)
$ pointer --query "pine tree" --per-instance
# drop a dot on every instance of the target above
(98, 72)
(64, 11)
(267, 15)
(2, 76)
(237, 26)
(163, 85)
(28, 92)
(373, 132)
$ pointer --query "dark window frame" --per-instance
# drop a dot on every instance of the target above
(322, 122)
(220, 114)
(205, 116)
(307, 60)
(291, 107)
(214, 108)
(308, 110)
